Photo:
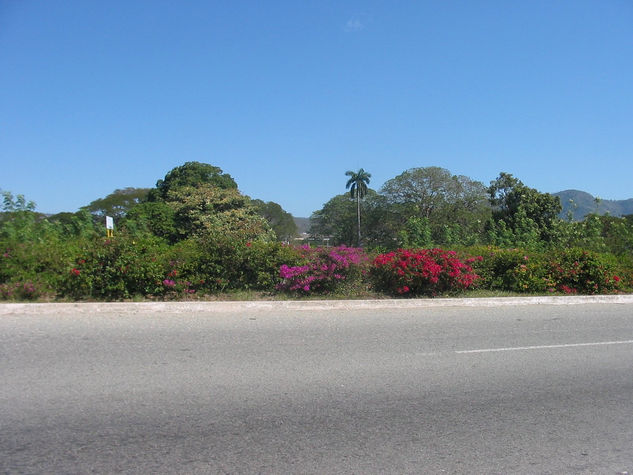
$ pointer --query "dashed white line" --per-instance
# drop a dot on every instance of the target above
(545, 347)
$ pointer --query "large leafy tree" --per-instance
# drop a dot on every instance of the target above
(279, 220)
(335, 221)
(151, 217)
(337, 218)
(524, 213)
(216, 213)
(357, 186)
(198, 200)
(117, 203)
(450, 204)
(192, 174)
(18, 219)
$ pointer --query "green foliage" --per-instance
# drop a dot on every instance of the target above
(357, 183)
(580, 271)
(217, 265)
(19, 222)
(209, 211)
(191, 174)
(336, 220)
(116, 268)
(357, 186)
(280, 221)
(117, 204)
(455, 206)
(599, 234)
(416, 233)
(434, 193)
(21, 291)
(200, 235)
(24, 226)
(11, 204)
(515, 270)
(155, 218)
(38, 264)
(529, 217)
(567, 271)
(75, 225)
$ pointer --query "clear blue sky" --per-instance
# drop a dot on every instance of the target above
(288, 95)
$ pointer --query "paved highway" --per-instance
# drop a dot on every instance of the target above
(522, 389)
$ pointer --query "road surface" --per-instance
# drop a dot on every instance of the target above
(521, 389)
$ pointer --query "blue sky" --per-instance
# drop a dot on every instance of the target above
(288, 95)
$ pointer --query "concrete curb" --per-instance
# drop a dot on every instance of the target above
(302, 305)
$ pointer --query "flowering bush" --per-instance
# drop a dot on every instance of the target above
(567, 271)
(579, 271)
(41, 264)
(323, 269)
(176, 287)
(20, 291)
(218, 265)
(116, 268)
(515, 270)
(422, 272)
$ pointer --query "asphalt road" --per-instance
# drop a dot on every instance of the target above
(523, 389)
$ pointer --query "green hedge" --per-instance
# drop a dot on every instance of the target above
(127, 267)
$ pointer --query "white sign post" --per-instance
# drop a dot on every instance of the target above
(109, 226)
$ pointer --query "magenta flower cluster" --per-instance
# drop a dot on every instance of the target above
(323, 269)
(183, 286)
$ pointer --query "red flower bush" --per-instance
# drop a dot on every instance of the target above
(422, 272)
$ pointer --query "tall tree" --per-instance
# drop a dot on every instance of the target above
(117, 203)
(450, 203)
(279, 220)
(357, 186)
(530, 215)
(191, 174)
(335, 221)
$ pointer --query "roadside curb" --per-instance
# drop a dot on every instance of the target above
(300, 305)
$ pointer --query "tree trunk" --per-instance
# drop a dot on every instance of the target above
(358, 215)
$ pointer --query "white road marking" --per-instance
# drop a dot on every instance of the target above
(545, 347)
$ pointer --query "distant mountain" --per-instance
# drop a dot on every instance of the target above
(582, 203)
(303, 224)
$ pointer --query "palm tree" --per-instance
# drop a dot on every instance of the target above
(357, 185)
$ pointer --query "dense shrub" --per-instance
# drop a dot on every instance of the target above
(323, 270)
(515, 270)
(567, 271)
(217, 265)
(127, 266)
(40, 264)
(21, 291)
(117, 268)
(421, 272)
(585, 272)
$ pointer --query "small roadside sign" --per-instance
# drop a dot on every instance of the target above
(109, 226)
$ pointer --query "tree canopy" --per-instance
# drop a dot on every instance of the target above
(118, 203)
(209, 211)
(281, 222)
(522, 211)
(191, 174)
